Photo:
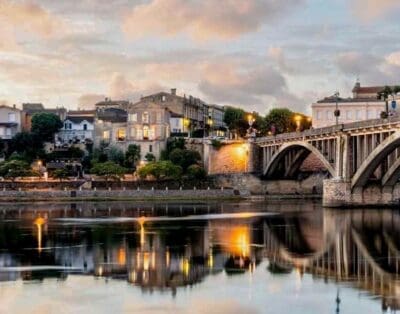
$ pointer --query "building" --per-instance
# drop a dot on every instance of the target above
(363, 105)
(217, 126)
(188, 113)
(108, 103)
(149, 127)
(110, 127)
(78, 128)
(10, 121)
(29, 109)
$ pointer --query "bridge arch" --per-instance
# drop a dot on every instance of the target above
(374, 159)
(306, 149)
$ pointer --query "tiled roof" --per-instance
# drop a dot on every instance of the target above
(114, 115)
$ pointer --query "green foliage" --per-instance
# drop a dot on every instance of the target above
(132, 155)
(171, 145)
(28, 145)
(161, 170)
(235, 119)
(60, 174)
(282, 120)
(116, 155)
(109, 170)
(184, 157)
(16, 168)
(196, 172)
(45, 125)
(71, 152)
(150, 157)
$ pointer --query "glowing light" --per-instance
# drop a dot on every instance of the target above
(121, 256)
(39, 222)
(146, 261)
(239, 241)
(141, 222)
(167, 258)
(210, 261)
(185, 266)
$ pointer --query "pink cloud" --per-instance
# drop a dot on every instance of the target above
(371, 9)
(202, 19)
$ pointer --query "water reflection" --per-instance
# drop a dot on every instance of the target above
(166, 246)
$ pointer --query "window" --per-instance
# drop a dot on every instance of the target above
(2, 131)
(358, 114)
(8, 131)
(106, 135)
(145, 117)
(349, 114)
(65, 125)
(11, 117)
(150, 148)
(133, 132)
(133, 117)
(158, 117)
(163, 98)
(328, 115)
(85, 126)
(121, 135)
(370, 114)
(319, 115)
(145, 132)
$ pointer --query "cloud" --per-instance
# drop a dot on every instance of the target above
(87, 101)
(121, 87)
(368, 10)
(203, 19)
(278, 56)
(29, 17)
(356, 63)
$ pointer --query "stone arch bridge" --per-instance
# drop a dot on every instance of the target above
(362, 160)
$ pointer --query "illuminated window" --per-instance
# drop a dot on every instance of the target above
(121, 134)
(106, 135)
(145, 117)
(145, 132)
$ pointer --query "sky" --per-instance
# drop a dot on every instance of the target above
(256, 54)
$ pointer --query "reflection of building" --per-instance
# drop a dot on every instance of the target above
(363, 105)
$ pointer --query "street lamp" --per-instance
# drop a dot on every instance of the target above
(251, 120)
(337, 111)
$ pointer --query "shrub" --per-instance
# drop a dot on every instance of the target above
(109, 170)
(196, 172)
(160, 170)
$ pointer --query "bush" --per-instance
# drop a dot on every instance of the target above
(60, 174)
(109, 170)
(160, 170)
(150, 157)
(196, 172)
(16, 168)
(216, 144)
(184, 157)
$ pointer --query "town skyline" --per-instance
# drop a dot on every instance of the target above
(256, 55)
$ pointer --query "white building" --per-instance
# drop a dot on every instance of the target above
(364, 105)
(78, 128)
(10, 122)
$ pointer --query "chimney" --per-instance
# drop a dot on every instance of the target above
(173, 91)
(14, 106)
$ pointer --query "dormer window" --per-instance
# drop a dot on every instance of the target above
(163, 98)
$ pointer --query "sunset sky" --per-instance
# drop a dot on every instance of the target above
(257, 54)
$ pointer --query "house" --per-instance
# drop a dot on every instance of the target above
(217, 126)
(78, 128)
(364, 105)
(10, 121)
(108, 103)
(110, 127)
(29, 109)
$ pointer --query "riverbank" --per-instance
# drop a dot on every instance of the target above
(117, 195)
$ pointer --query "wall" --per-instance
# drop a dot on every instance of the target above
(254, 185)
(229, 158)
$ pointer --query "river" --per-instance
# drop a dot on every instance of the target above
(198, 257)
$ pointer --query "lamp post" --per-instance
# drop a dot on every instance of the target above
(250, 120)
(337, 111)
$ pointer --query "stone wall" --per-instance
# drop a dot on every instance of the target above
(52, 195)
(254, 185)
(338, 193)
(229, 158)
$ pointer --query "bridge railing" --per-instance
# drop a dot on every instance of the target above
(331, 129)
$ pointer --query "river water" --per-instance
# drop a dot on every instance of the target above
(211, 257)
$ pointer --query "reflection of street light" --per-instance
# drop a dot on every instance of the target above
(297, 119)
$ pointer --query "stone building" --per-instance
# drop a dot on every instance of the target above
(29, 109)
(110, 127)
(10, 121)
(78, 128)
(364, 105)
(217, 126)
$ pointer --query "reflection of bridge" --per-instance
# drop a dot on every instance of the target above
(355, 155)
(363, 251)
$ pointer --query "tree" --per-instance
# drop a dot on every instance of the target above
(109, 170)
(150, 157)
(196, 172)
(280, 120)
(384, 95)
(132, 155)
(60, 174)
(45, 125)
(184, 157)
(235, 119)
(116, 155)
(28, 145)
(16, 168)
(164, 169)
